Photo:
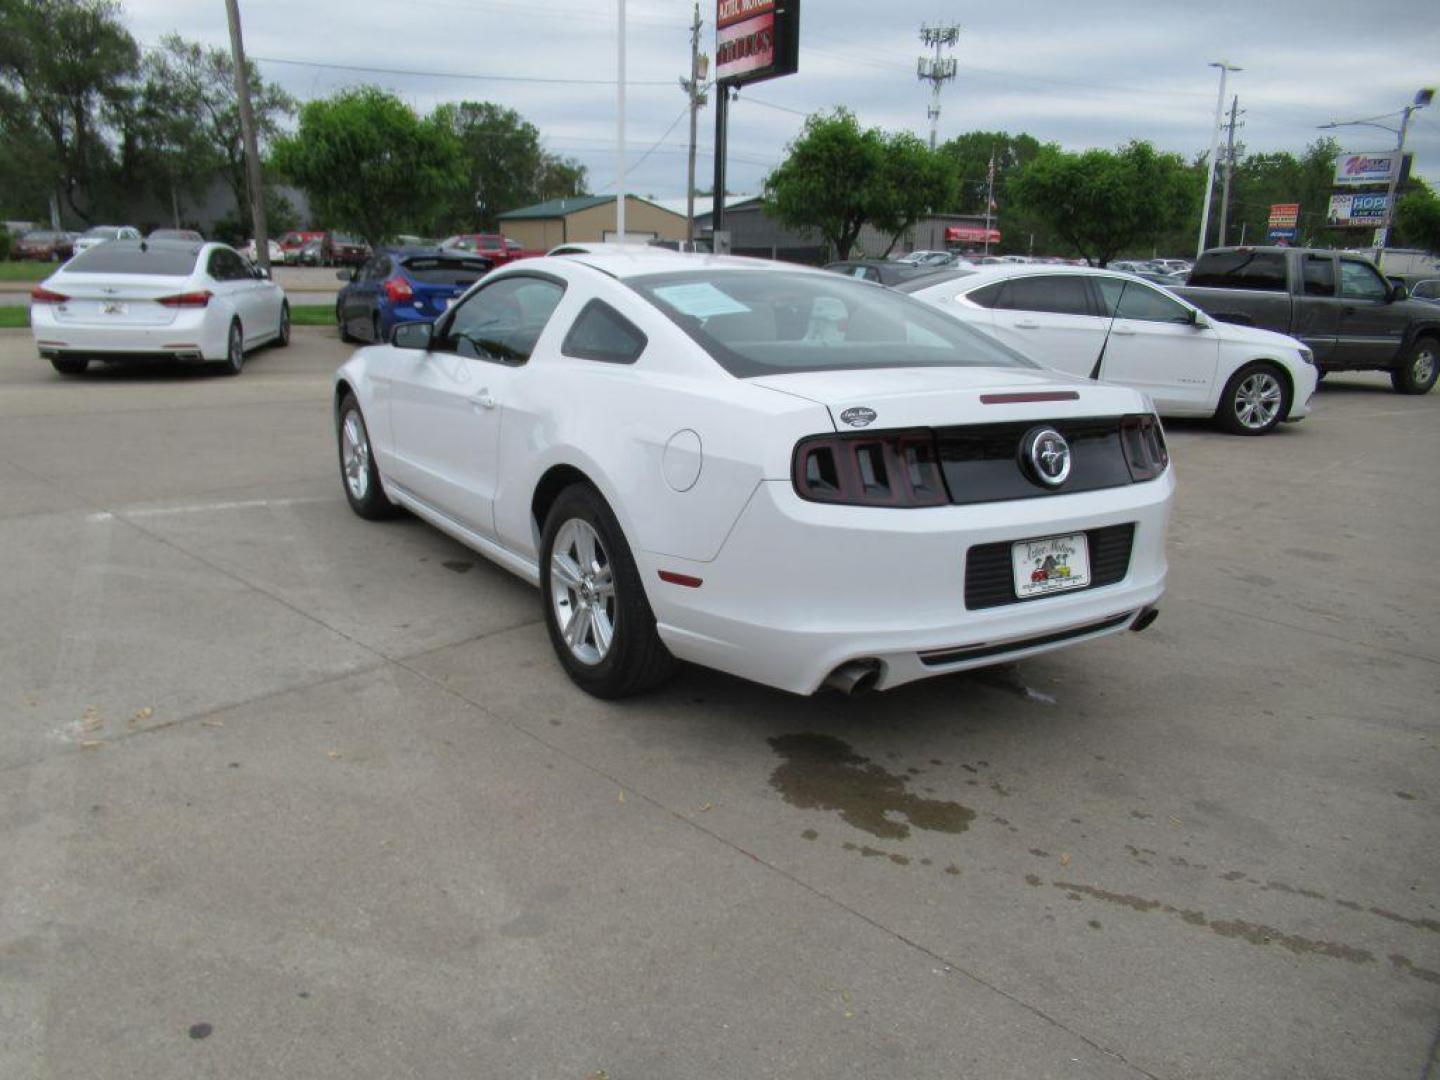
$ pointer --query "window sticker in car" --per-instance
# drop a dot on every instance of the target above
(700, 300)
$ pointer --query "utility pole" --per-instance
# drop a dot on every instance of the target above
(934, 70)
(247, 131)
(1225, 68)
(694, 88)
(620, 128)
(1229, 166)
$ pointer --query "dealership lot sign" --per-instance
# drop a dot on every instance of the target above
(1355, 170)
(756, 40)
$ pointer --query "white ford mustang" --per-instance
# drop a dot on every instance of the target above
(156, 299)
(782, 473)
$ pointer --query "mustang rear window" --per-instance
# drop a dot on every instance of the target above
(770, 322)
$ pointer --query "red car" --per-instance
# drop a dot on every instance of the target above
(293, 243)
(348, 250)
(44, 246)
(488, 244)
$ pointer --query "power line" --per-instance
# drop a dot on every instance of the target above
(454, 75)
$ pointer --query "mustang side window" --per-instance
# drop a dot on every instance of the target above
(602, 333)
(504, 320)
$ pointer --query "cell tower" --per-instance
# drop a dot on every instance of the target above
(934, 69)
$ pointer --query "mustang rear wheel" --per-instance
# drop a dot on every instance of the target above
(599, 620)
(282, 338)
(69, 365)
(1255, 399)
(1416, 373)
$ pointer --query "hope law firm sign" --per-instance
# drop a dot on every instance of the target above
(1350, 210)
(756, 40)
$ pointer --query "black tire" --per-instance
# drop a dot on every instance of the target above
(234, 361)
(69, 365)
(1255, 400)
(343, 327)
(1416, 373)
(366, 498)
(636, 659)
(282, 339)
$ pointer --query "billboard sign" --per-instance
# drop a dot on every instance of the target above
(1282, 237)
(971, 234)
(1367, 210)
(1284, 215)
(1355, 170)
(756, 40)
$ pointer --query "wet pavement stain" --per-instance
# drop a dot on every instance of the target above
(874, 852)
(823, 772)
(1405, 795)
(200, 1031)
(459, 566)
(1254, 933)
(1403, 963)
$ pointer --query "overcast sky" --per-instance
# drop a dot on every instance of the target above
(1081, 74)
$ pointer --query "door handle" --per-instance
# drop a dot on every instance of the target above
(1121, 331)
(1027, 325)
(483, 400)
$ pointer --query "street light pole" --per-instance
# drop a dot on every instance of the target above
(1225, 68)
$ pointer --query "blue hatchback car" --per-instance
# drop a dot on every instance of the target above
(402, 285)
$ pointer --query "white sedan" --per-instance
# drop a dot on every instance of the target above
(1113, 326)
(156, 300)
(783, 473)
(100, 234)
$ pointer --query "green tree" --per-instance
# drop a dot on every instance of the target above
(186, 124)
(1417, 217)
(1104, 202)
(506, 165)
(370, 165)
(911, 180)
(838, 177)
(65, 66)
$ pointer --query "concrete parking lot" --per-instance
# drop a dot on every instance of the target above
(286, 793)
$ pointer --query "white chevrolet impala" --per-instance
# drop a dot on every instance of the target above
(796, 477)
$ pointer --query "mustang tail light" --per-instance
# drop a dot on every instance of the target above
(398, 289)
(41, 295)
(883, 468)
(1144, 443)
(186, 299)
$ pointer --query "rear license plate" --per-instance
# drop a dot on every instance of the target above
(1049, 565)
(114, 307)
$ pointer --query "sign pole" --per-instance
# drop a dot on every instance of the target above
(722, 118)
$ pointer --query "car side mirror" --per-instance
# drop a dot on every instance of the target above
(1397, 291)
(412, 335)
(344, 275)
(1198, 320)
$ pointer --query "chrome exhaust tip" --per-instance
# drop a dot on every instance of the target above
(1147, 616)
(854, 677)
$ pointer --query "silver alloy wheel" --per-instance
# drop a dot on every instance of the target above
(355, 455)
(236, 351)
(1422, 368)
(1258, 399)
(582, 589)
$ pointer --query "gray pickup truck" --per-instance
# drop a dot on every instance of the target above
(1341, 306)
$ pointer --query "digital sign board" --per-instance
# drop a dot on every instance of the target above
(756, 40)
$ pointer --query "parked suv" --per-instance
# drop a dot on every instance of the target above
(1338, 304)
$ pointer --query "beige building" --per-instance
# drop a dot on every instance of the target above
(589, 218)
